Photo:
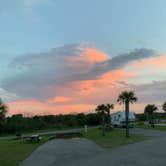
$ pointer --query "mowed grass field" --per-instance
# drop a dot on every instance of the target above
(112, 138)
(12, 152)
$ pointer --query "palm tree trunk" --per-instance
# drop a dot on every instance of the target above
(153, 122)
(108, 120)
(103, 124)
(127, 118)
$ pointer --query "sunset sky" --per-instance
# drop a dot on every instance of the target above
(67, 56)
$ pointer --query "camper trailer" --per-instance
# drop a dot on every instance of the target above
(118, 119)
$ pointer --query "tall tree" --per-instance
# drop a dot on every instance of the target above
(3, 111)
(108, 108)
(149, 111)
(127, 97)
(102, 109)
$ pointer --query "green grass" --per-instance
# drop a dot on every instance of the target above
(112, 138)
(38, 131)
(12, 152)
(160, 128)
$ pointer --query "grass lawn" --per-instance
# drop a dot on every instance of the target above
(160, 128)
(39, 131)
(12, 152)
(112, 138)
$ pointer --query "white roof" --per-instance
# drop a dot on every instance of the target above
(115, 113)
(121, 112)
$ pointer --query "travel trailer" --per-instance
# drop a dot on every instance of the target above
(118, 119)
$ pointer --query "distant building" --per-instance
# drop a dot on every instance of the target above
(118, 119)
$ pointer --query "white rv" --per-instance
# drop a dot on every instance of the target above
(118, 119)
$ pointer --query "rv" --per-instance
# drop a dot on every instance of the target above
(118, 119)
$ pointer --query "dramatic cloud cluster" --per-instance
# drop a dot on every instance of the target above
(75, 78)
(42, 72)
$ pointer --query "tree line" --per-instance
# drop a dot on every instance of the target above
(18, 123)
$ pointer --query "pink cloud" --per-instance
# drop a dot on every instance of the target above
(31, 107)
(93, 55)
(105, 81)
(155, 62)
(34, 107)
(76, 108)
(83, 96)
(87, 59)
(59, 99)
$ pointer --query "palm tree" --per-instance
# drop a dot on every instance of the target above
(101, 109)
(3, 111)
(127, 97)
(149, 111)
(109, 107)
(164, 106)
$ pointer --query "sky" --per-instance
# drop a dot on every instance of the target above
(60, 56)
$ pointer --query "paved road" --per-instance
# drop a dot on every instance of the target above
(45, 133)
(82, 152)
(147, 132)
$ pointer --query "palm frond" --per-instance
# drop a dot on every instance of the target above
(127, 96)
